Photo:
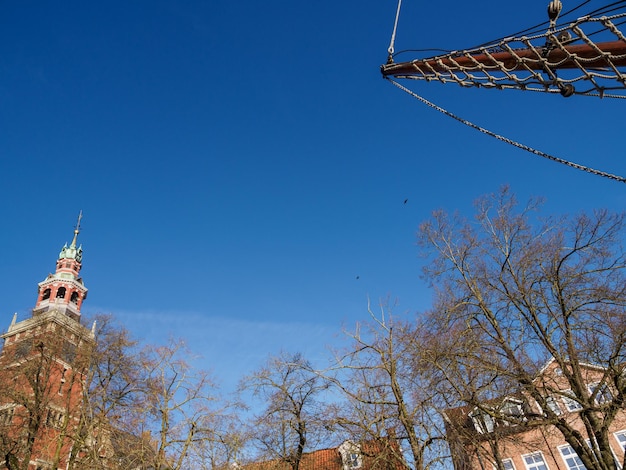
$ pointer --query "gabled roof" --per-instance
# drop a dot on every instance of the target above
(324, 459)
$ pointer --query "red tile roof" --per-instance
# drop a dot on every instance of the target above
(375, 456)
(325, 459)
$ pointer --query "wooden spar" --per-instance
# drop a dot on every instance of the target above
(570, 57)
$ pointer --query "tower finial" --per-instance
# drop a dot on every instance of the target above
(77, 229)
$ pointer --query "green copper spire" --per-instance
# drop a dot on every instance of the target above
(72, 252)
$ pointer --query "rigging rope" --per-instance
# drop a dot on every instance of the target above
(393, 34)
(533, 30)
(506, 139)
(585, 56)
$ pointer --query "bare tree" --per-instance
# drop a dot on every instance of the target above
(148, 408)
(175, 406)
(293, 418)
(106, 404)
(225, 446)
(516, 291)
(390, 397)
(112, 391)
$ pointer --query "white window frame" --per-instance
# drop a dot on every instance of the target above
(354, 460)
(553, 404)
(535, 465)
(483, 421)
(351, 457)
(620, 437)
(511, 404)
(508, 464)
(6, 414)
(571, 404)
(568, 454)
(604, 395)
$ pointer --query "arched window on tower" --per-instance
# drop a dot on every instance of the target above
(46, 294)
(61, 293)
(74, 298)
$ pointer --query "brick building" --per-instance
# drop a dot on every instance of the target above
(516, 433)
(42, 370)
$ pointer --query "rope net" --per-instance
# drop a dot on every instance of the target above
(583, 56)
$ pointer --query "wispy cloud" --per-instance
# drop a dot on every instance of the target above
(232, 347)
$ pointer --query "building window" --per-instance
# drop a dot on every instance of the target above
(514, 410)
(68, 354)
(6, 415)
(603, 394)
(23, 348)
(354, 460)
(55, 418)
(350, 455)
(507, 464)
(61, 293)
(570, 403)
(74, 297)
(553, 405)
(483, 421)
(571, 458)
(46, 294)
(535, 461)
(621, 439)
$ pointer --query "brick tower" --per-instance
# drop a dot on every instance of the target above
(42, 371)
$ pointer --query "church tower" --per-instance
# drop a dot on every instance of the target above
(64, 291)
(43, 365)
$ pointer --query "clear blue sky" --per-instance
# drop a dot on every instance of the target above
(242, 167)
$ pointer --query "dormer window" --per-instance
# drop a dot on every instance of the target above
(354, 460)
(553, 405)
(602, 392)
(570, 402)
(514, 410)
(350, 455)
(483, 421)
